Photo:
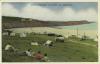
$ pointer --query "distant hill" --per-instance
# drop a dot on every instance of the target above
(17, 22)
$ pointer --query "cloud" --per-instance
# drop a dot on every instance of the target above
(42, 13)
(89, 14)
(37, 12)
(9, 10)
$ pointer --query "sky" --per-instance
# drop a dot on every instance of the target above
(65, 11)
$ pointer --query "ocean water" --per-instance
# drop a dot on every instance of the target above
(91, 26)
(89, 30)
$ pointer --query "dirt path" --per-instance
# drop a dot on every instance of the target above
(83, 43)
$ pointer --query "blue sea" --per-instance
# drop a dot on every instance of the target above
(89, 29)
(91, 26)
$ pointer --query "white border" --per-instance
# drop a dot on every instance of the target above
(0, 36)
(50, 1)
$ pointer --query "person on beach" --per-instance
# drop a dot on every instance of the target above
(39, 56)
(45, 58)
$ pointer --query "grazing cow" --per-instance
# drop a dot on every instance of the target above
(9, 47)
(28, 52)
(48, 43)
(59, 38)
(84, 38)
(5, 33)
(34, 43)
(51, 34)
(22, 35)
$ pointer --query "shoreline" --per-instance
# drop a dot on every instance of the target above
(64, 32)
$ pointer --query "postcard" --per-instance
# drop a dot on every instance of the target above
(49, 31)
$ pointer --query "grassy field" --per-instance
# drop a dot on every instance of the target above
(72, 50)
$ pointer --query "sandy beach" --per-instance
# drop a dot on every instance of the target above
(64, 32)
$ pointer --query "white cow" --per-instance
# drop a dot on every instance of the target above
(5, 33)
(59, 39)
(34, 43)
(28, 53)
(48, 43)
(22, 35)
(7, 47)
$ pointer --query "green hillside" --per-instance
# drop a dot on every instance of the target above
(72, 50)
(18, 22)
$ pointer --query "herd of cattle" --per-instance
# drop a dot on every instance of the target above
(58, 38)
